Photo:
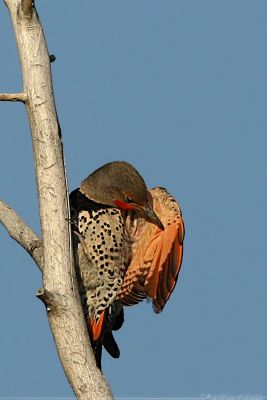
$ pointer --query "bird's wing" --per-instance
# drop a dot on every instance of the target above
(157, 255)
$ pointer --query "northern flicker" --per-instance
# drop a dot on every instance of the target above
(127, 246)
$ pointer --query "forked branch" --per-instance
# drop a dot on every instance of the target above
(59, 281)
(22, 233)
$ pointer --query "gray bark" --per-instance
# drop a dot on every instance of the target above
(53, 254)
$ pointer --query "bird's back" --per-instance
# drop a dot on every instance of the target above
(156, 254)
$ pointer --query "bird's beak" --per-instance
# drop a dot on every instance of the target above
(151, 216)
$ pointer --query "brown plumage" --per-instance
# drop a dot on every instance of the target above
(157, 254)
(127, 245)
(102, 245)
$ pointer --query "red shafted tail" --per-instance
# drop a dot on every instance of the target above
(96, 328)
(100, 334)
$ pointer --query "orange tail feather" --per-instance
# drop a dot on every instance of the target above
(96, 327)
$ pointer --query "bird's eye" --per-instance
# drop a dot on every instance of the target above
(128, 199)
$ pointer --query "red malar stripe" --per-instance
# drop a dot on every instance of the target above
(124, 206)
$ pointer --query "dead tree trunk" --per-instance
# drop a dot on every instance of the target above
(53, 252)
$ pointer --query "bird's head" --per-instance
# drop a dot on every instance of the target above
(118, 184)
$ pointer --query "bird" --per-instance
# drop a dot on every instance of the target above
(128, 246)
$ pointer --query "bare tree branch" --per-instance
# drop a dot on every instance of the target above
(13, 97)
(60, 288)
(22, 233)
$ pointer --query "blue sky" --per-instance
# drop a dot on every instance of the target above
(179, 89)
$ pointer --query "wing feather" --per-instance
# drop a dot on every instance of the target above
(157, 255)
